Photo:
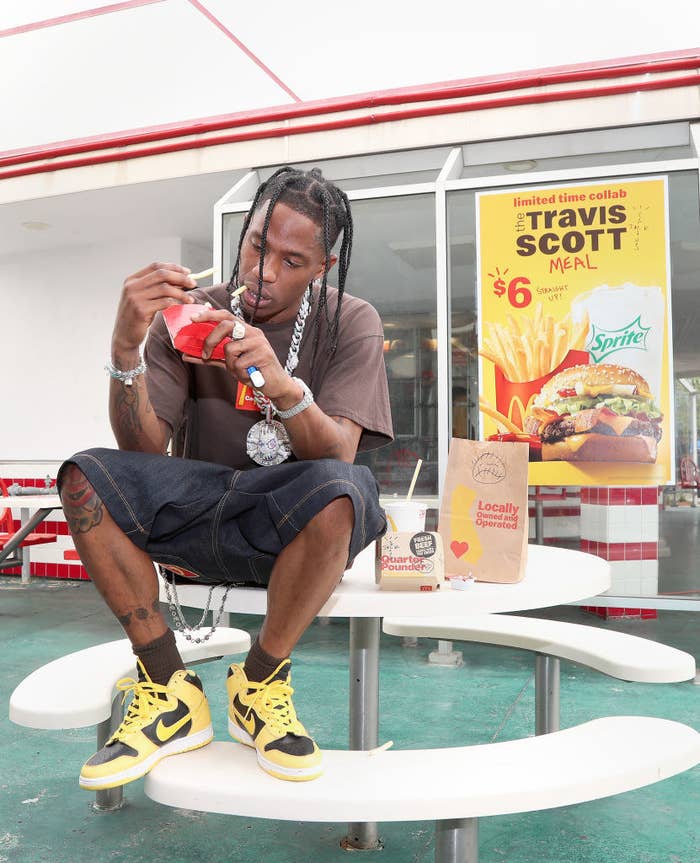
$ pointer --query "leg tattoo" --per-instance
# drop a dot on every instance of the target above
(81, 505)
(120, 571)
(138, 614)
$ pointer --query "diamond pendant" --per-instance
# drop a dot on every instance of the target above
(267, 443)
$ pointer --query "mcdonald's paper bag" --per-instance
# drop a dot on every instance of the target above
(484, 510)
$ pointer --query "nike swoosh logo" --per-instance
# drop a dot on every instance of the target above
(165, 732)
(249, 721)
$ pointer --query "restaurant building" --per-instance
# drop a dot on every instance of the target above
(414, 162)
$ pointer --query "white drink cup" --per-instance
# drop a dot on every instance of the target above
(405, 515)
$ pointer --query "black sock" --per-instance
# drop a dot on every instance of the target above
(160, 658)
(259, 665)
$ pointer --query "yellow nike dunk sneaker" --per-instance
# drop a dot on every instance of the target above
(160, 721)
(262, 715)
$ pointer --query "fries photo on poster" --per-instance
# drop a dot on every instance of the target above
(575, 330)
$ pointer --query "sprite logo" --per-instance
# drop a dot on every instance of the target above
(605, 342)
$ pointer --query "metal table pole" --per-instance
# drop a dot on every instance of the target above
(364, 711)
(539, 521)
(457, 841)
(546, 693)
(26, 575)
(110, 799)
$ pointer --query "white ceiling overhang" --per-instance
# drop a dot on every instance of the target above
(108, 94)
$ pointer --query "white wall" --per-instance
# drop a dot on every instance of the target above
(57, 309)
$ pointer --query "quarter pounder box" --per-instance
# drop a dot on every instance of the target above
(408, 560)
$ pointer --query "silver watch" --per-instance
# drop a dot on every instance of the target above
(306, 400)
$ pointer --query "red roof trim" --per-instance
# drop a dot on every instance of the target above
(200, 7)
(75, 16)
(663, 63)
(360, 120)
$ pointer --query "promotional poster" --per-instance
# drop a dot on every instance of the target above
(575, 330)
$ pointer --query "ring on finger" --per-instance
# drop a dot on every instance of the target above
(238, 331)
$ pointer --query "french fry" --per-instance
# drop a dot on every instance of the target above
(579, 340)
(527, 348)
(530, 365)
(512, 327)
(489, 355)
(543, 357)
(537, 320)
(497, 416)
(500, 349)
(548, 329)
(203, 275)
(559, 347)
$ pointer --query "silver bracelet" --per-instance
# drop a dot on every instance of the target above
(126, 377)
(306, 400)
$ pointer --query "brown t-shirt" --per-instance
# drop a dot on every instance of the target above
(351, 383)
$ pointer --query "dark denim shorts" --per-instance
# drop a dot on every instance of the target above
(225, 525)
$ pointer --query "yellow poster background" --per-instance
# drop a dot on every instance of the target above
(550, 259)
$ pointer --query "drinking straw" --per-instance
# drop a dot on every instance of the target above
(415, 477)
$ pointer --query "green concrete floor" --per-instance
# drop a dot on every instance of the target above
(46, 818)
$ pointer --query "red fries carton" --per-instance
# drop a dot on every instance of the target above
(187, 335)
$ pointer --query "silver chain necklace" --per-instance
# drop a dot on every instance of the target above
(267, 442)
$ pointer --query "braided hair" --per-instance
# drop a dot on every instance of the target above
(312, 195)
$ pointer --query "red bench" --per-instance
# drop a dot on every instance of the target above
(689, 478)
(7, 532)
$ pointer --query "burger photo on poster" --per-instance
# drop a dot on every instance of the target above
(598, 412)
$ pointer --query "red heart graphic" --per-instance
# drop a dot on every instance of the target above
(459, 548)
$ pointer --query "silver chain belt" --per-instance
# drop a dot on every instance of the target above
(181, 625)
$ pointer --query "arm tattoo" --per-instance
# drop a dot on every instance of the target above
(129, 409)
(127, 405)
(81, 505)
(125, 619)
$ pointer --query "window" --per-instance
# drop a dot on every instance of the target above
(393, 267)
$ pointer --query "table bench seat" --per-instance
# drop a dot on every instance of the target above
(617, 654)
(627, 657)
(77, 690)
(453, 786)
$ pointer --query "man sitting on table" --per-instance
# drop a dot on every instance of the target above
(268, 494)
